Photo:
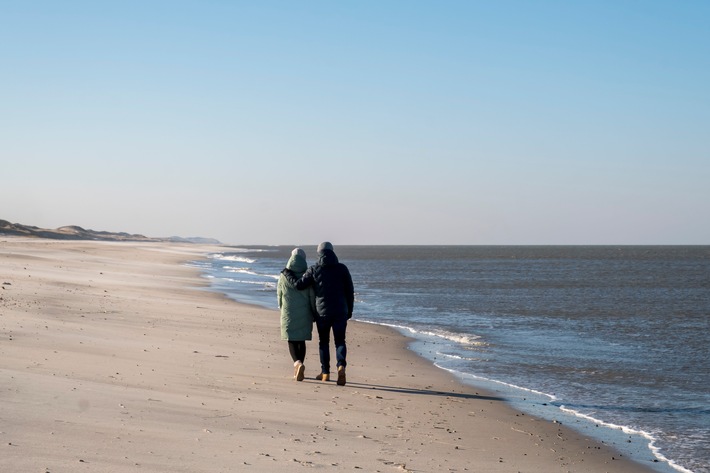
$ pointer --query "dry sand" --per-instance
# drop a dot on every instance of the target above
(113, 358)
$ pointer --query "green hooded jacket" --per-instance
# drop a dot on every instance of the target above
(298, 308)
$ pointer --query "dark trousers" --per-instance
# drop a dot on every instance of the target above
(338, 326)
(297, 350)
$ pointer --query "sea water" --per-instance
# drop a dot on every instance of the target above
(611, 341)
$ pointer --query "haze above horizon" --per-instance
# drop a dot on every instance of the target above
(451, 122)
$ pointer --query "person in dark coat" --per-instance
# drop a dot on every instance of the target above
(335, 297)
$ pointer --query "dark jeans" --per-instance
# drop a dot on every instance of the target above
(338, 326)
(297, 350)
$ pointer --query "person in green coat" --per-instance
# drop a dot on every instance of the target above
(298, 312)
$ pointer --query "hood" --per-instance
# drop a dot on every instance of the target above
(328, 257)
(297, 264)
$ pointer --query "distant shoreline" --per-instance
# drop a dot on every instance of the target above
(75, 232)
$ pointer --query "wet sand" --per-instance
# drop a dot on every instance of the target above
(114, 358)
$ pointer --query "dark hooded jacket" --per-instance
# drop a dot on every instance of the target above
(332, 283)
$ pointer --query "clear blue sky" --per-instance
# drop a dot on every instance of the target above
(368, 122)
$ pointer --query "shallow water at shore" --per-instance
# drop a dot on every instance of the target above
(589, 336)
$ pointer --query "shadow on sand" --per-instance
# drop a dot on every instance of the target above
(425, 392)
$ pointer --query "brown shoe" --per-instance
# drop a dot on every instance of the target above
(300, 370)
(341, 376)
(323, 377)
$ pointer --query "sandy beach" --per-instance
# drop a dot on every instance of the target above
(115, 358)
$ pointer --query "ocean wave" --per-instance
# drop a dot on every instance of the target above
(457, 357)
(240, 259)
(471, 340)
(461, 374)
(625, 429)
(244, 281)
(466, 340)
(246, 270)
(629, 430)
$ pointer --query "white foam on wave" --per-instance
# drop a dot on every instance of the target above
(655, 450)
(243, 281)
(551, 397)
(244, 270)
(237, 258)
(454, 337)
(457, 357)
(628, 430)
(247, 270)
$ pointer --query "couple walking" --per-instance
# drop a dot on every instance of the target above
(324, 293)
